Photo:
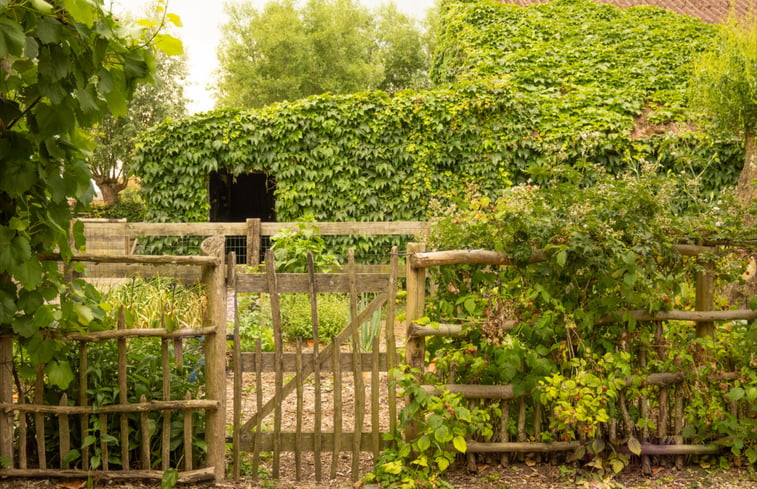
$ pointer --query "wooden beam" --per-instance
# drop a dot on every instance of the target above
(324, 282)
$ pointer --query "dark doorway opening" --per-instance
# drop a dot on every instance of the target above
(237, 198)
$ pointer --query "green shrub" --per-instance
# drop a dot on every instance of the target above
(296, 320)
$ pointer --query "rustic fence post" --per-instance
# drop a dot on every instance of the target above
(705, 294)
(213, 276)
(253, 242)
(415, 348)
(6, 396)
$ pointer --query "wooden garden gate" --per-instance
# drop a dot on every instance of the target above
(257, 434)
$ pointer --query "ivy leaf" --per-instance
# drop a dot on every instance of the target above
(634, 446)
(12, 38)
(59, 373)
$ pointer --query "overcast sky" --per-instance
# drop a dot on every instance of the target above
(201, 33)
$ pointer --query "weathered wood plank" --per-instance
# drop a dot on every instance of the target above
(475, 391)
(273, 288)
(215, 355)
(208, 404)
(328, 439)
(308, 362)
(316, 367)
(359, 397)
(324, 282)
(184, 477)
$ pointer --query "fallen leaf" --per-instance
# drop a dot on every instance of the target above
(71, 484)
(482, 468)
(530, 462)
(657, 470)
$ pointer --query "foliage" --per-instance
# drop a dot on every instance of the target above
(289, 51)
(65, 66)
(296, 320)
(291, 247)
(724, 81)
(157, 303)
(587, 246)
(442, 423)
(724, 85)
(129, 206)
(152, 303)
(114, 136)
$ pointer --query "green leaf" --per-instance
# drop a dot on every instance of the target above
(81, 11)
(59, 373)
(424, 443)
(12, 38)
(634, 446)
(736, 394)
(89, 440)
(470, 305)
(442, 463)
(42, 6)
(562, 258)
(169, 45)
(393, 467)
(83, 313)
(459, 443)
(442, 434)
(71, 456)
(175, 19)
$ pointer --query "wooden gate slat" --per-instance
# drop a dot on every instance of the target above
(326, 356)
(316, 368)
(278, 350)
(357, 374)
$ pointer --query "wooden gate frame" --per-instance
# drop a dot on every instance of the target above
(249, 437)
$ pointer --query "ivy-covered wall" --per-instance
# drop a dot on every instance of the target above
(520, 92)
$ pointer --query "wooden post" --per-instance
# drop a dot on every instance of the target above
(705, 289)
(253, 242)
(415, 349)
(215, 355)
(6, 396)
(236, 356)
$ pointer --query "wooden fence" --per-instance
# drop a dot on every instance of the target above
(251, 436)
(669, 415)
(108, 236)
(93, 420)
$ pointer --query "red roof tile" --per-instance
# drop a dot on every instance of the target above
(711, 11)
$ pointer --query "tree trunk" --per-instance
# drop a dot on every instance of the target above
(110, 189)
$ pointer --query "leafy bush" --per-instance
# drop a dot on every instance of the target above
(603, 245)
(129, 206)
(442, 423)
(291, 247)
(255, 318)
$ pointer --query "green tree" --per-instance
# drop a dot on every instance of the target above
(114, 136)
(286, 52)
(724, 85)
(65, 64)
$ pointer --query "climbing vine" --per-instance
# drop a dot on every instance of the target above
(505, 118)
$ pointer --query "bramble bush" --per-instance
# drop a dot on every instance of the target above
(607, 247)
